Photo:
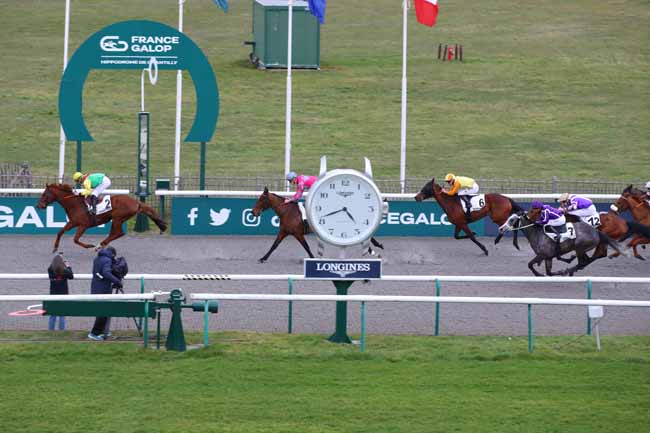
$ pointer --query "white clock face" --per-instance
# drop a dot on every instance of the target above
(344, 208)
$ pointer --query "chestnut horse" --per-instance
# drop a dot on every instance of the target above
(497, 206)
(290, 220)
(633, 200)
(123, 208)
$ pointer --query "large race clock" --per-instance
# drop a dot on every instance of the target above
(344, 207)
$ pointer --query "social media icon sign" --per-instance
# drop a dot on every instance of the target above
(250, 220)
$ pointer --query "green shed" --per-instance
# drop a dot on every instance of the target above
(270, 29)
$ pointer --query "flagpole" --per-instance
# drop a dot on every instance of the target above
(179, 97)
(66, 37)
(402, 164)
(287, 129)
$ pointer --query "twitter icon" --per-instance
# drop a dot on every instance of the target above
(219, 218)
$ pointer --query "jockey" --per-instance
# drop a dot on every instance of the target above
(94, 184)
(577, 205)
(462, 186)
(551, 217)
(303, 182)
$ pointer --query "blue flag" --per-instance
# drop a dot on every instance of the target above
(317, 9)
(223, 4)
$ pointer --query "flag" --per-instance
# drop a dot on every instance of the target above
(223, 4)
(426, 11)
(317, 9)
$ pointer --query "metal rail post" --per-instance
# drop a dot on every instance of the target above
(530, 329)
(588, 297)
(363, 326)
(206, 322)
(437, 308)
(290, 320)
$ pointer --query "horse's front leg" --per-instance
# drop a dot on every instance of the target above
(281, 235)
(65, 228)
(536, 261)
(305, 245)
(470, 234)
(80, 231)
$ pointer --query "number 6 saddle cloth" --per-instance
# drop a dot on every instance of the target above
(477, 202)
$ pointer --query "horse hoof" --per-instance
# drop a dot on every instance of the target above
(261, 261)
(640, 258)
(54, 250)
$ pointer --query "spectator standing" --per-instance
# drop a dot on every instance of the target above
(102, 283)
(60, 272)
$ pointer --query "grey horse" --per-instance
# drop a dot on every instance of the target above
(587, 238)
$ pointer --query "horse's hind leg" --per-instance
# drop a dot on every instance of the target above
(116, 232)
(536, 261)
(304, 244)
(67, 227)
(277, 241)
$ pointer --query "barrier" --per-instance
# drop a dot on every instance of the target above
(40, 191)
(206, 297)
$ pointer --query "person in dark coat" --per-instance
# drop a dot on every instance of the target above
(60, 272)
(102, 283)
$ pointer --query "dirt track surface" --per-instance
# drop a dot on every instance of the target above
(403, 256)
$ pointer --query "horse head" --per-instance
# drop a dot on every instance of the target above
(263, 202)
(512, 222)
(622, 203)
(426, 191)
(49, 196)
(533, 214)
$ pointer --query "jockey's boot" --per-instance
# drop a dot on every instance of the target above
(93, 209)
(305, 225)
(557, 241)
(468, 207)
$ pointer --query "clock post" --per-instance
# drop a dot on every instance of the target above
(344, 209)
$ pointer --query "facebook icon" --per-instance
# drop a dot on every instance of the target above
(193, 215)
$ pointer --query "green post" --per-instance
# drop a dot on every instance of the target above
(206, 322)
(138, 323)
(146, 324)
(588, 297)
(363, 326)
(141, 221)
(175, 336)
(437, 308)
(162, 184)
(340, 334)
(158, 330)
(290, 320)
(79, 146)
(530, 329)
(202, 168)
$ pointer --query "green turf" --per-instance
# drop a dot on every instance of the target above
(551, 88)
(248, 382)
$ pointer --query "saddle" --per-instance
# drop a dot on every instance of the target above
(472, 202)
(566, 232)
(103, 204)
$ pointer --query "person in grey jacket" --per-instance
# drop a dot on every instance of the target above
(102, 283)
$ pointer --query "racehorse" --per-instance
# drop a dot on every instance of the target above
(544, 247)
(291, 222)
(618, 229)
(123, 208)
(633, 200)
(497, 206)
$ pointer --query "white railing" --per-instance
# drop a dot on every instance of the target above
(386, 196)
(40, 191)
(112, 297)
(300, 277)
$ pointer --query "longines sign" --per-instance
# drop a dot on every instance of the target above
(336, 269)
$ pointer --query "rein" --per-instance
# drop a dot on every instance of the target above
(522, 227)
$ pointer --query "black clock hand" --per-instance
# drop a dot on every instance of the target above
(332, 213)
(349, 214)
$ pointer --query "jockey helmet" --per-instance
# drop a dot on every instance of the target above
(563, 197)
(291, 176)
(78, 175)
(450, 177)
(536, 205)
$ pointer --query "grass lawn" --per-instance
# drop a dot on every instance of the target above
(248, 382)
(551, 88)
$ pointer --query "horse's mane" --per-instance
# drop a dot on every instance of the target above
(62, 186)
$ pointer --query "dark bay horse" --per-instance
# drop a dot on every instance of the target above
(497, 206)
(290, 220)
(587, 238)
(634, 200)
(123, 208)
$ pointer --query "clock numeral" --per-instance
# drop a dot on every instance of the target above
(344, 235)
(323, 195)
(331, 231)
(357, 231)
(359, 186)
(321, 221)
(332, 186)
(367, 222)
(367, 196)
(319, 208)
(371, 208)
(345, 182)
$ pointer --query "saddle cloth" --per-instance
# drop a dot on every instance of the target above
(567, 232)
(103, 205)
(593, 219)
(476, 201)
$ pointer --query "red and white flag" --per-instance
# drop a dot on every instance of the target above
(426, 11)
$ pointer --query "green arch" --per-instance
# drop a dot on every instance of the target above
(130, 45)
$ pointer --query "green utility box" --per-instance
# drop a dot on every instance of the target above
(270, 30)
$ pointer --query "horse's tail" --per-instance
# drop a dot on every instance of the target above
(612, 243)
(515, 207)
(148, 211)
